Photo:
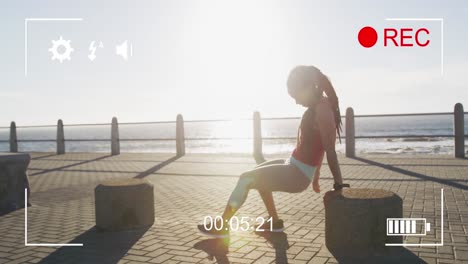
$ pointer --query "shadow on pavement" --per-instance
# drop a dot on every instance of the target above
(216, 248)
(279, 241)
(98, 247)
(157, 167)
(70, 165)
(45, 155)
(393, 255)
(414, 174)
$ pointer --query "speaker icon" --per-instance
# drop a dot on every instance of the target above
(125, 50)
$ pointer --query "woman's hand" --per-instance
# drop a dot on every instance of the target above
(316, 185)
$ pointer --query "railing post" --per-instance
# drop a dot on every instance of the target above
(13, 138)
(60, 138)
(350, 140)
(459, 130)
(180, 136)
(115, 143)
(257, 138)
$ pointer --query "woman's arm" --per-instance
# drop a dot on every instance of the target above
(317, 171)
(332, 160)
(326, 123)
(315, 181)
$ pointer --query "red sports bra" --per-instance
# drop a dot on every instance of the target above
(309, 148)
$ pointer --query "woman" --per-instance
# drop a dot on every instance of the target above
(316, 136)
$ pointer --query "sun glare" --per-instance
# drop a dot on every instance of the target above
(232, 129)
(236, 40)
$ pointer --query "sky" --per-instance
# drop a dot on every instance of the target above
(223, 59)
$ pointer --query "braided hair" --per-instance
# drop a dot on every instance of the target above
(311, 76)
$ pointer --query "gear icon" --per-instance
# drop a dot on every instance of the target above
(67, 49)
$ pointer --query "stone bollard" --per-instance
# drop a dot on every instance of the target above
(257, 138)
(350, 134)
(13, 180)
(459, 130)
(355, 221)
(124, 204)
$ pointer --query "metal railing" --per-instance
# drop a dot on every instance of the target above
(180, 138)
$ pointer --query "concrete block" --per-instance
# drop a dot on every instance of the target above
(124, 204)
(355, 221)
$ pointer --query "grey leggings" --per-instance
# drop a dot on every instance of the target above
(270, 176)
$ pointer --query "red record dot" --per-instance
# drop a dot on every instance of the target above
(367, 37)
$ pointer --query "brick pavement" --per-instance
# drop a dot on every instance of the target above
(197, 185)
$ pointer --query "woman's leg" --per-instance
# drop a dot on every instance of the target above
(238, 195)
(271, 162)
(267, 198)
(266, 179)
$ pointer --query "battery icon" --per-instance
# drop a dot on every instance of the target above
(407, 227)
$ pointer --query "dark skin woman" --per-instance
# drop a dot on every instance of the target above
(320, 124)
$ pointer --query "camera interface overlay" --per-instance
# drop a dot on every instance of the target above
(233, 132)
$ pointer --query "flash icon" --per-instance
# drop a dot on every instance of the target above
(93, 48)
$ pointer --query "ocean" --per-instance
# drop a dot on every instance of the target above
(235, 136)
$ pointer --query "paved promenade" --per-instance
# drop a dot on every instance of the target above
(196, 185)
